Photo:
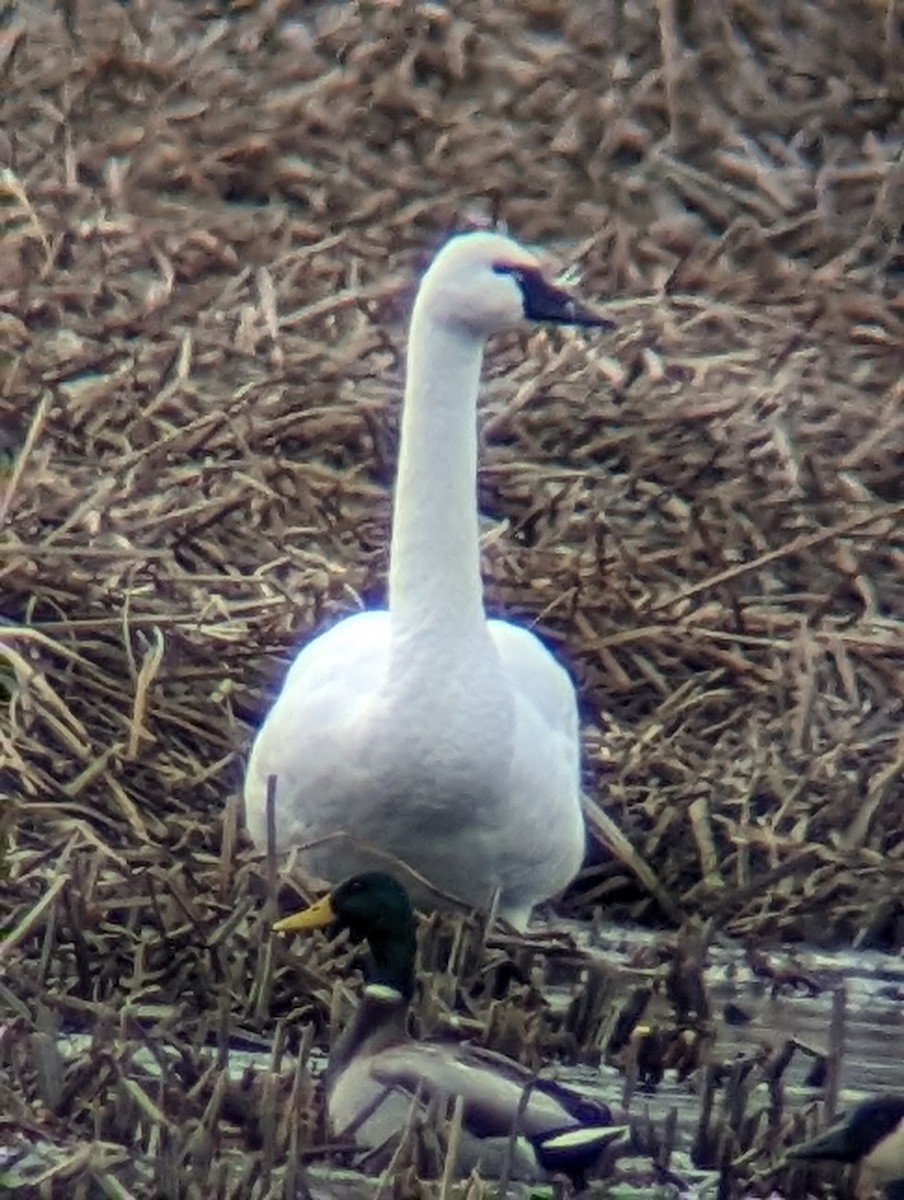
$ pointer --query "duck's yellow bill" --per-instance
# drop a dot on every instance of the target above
(315, 917)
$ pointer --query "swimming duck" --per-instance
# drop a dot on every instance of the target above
(872, 1136)
(376, 1071)
(426, 734)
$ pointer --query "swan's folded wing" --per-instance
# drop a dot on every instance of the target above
(307, 740)
(537, 675)
(353, 655)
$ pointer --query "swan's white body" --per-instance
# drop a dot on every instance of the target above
(426, 731)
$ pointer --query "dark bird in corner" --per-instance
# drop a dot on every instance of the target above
(870, 1136)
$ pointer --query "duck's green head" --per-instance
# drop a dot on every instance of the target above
(374, 908)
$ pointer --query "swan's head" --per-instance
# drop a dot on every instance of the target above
(484, 282)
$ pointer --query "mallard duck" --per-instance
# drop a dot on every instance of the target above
(871, 1136)
(376, 1071)
(426, 734)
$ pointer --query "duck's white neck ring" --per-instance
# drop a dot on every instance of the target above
(383, 993)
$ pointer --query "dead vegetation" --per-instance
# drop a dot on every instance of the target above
(211, 218)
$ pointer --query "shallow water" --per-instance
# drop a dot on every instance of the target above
(873, 1043)
(872, 1058)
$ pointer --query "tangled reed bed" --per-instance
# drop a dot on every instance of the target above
(212, 217)
(185, 1067)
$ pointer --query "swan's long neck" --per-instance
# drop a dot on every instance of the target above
(434, 576)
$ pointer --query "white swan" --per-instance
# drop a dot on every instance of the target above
(427, 731)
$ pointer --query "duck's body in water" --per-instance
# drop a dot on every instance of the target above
(377, 1072)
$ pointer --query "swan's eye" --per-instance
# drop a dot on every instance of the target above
(503, 268)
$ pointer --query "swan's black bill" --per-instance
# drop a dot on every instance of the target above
(544, 301)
